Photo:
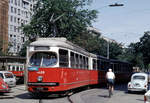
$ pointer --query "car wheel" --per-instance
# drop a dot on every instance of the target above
(129, 91)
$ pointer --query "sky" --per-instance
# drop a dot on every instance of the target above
(124, 24)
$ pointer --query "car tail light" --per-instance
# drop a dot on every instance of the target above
(145, 99)
(129, 85)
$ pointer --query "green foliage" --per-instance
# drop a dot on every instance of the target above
(97, 45)
(59, 18)
(139, 53)
(88, 42)
(115, 50)
(24, 49)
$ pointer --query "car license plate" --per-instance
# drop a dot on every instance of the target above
(40, 88)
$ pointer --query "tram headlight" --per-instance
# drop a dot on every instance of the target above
(39, 78)
(3, 86)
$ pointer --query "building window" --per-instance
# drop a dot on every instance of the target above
(18, 47)
(15, 2)
(18, 30)
(15, 10)
(18, 20)
(15, 19)
(15, 28)
(11, 18)
(11, 1)
(18, 2)
(18, 11)
(11, 27)
(11, 9)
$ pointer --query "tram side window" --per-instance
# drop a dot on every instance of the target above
(80, 61)
(72, 59)
(21, 68)
(87, 63)
(84, 62)
(115, 67)
(94, 64)
(77, 60)
(102, 65)
(9, 68)
(13, 68)
(63, 58)
(17, 69)
(112, 67)
(98, 65)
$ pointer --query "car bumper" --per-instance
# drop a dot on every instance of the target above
(11, 85)
(137, 89)
(4, 90)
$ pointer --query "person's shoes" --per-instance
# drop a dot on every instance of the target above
(111, 93)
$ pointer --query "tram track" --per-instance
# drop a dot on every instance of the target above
(67, 100)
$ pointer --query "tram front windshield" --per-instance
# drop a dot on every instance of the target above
(44, 59)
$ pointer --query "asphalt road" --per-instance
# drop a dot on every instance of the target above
(120, 95)
(95, 95)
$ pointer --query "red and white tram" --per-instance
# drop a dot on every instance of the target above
(16, 68)
(57, 65)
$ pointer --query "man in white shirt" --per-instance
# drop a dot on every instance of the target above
(110, 76)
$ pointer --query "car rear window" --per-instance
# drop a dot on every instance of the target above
(1, 75)
(8, 75)
(139, 77)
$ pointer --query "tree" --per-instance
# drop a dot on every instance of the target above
(89, 42)
(144, 48)
(115, 50)
(139, 53)
(59, 18)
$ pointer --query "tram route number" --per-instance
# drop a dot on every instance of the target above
(41, 72)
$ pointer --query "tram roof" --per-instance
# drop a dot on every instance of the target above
(119, 61)
(58, 42)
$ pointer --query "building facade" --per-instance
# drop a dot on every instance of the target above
(20, 12)
(4, 25)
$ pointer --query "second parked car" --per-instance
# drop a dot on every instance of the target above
(139, 82)
(3, 86)
(8, 78)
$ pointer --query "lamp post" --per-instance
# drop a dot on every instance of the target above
(108, 46)
(108, 49)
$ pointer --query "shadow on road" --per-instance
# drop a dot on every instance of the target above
(24, 96)
(29, 96)
(121, 87)
(104, 96)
